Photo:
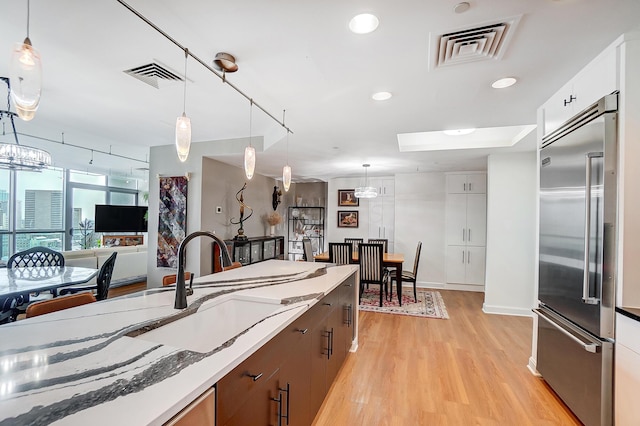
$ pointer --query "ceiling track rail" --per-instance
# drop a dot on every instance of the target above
(201, 62)
(62, 142)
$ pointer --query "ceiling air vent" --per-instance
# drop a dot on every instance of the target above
(153, 74)
(487, 41)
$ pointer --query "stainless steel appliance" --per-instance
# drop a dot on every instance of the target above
(576, 289)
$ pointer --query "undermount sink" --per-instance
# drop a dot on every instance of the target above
(213, 324)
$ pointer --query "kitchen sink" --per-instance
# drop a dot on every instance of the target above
(214, 323)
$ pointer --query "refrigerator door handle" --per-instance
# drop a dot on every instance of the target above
(589, 347)
(586, 297)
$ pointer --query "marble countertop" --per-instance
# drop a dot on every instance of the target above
(80, 366)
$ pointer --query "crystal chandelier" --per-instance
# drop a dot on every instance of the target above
(366, 191)
(14, 156)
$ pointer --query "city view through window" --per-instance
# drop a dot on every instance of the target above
(55, 208)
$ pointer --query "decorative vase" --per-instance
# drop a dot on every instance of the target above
(272, 230)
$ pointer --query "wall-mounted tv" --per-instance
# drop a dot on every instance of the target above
(120, 218)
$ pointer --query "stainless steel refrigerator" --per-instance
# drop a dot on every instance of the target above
(576, 289)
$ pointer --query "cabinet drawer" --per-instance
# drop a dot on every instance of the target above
(234, 389)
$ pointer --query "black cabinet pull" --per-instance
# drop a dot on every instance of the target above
(255, 377)
(303, 331)
(349, 314)
(287, 391)
(328, 344)
(279, 401)
(327, 304)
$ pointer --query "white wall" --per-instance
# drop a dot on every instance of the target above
(511, 230)
(420, 216)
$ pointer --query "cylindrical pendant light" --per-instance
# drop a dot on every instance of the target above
(286, 177)
(25, 74)
(183, 123)
(250, 151)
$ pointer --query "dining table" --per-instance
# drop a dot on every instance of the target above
(18, 283)
(389, 260)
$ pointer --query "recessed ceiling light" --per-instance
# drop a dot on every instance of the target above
(458, 132)
(381, 96)
(461, 7)
(503, 82)
(363, 24)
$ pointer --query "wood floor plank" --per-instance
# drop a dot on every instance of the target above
(468, 370)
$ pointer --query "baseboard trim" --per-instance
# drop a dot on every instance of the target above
(449, 286)
(506, 310)
(532, 367)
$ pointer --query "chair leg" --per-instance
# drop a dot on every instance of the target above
(399, 290)
(415, 294)
(380, 295)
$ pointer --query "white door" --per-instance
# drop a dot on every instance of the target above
(476, 220)
(456, 220)
(476, 184)
(475, 258)
(455, 264)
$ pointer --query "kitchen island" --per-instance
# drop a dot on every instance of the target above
(137, 360)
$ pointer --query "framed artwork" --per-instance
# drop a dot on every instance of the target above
(347, 197)
(172, 219)
(347, 218)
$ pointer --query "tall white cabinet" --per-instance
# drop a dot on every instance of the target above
(382, 211)
(466, 228)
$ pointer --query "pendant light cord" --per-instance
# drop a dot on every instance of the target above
(28, 15)
(184, 96)
(250, 118)
(284, 112)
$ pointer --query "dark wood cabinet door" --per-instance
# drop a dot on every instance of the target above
(319, 353)
(295, 383)
(260, 409)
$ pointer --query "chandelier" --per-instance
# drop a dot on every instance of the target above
(366, 191)
(14, 156)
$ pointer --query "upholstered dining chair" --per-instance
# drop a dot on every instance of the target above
(172, 278)
(409, 276)
(340, 253)
(103, 281)
(354, 242)
(371, 269)
(307, 250)
(59, 303)
(36, 256)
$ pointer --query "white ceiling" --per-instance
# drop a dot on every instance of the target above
(299, 56)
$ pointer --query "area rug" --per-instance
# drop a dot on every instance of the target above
(430, 303)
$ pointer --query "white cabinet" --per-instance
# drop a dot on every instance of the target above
(627, 371)
(385, 186)
(592, 83)
(382, 213)
(466, 228)
(467, 183)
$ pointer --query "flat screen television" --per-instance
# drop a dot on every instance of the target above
(120, 218)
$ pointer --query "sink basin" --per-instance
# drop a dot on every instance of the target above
(215, 322)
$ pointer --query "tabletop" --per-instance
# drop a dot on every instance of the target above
(16, 281)
(386, 258)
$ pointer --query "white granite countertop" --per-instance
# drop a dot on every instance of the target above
(78, 366)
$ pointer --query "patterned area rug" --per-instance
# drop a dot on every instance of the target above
(430, 303)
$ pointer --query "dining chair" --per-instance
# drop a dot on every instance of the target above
(103, 281)
(340, 253)
(371, 268)
(36, 256)
(307, 250)
(59, 303)
(172, 278)
(383, 241)
(408, 276)
(354, 243)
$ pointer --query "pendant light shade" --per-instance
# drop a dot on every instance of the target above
(286, 177)
(249, 161)
(250, 151)
(183, 123)
(183, 137)
(366, 191)
(25, 74)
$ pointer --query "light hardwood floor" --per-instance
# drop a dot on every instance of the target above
(468, 370)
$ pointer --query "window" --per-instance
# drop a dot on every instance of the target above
(39, 200)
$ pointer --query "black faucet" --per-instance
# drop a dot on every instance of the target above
(181, 292)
